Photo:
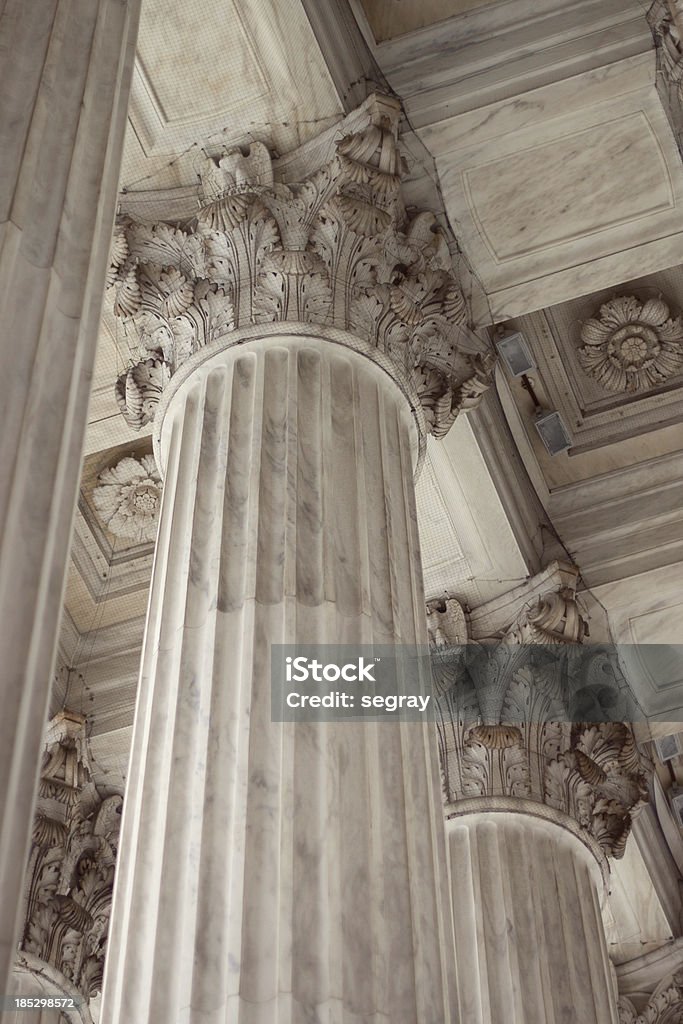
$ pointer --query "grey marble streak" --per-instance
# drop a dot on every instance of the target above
(274, 873)
(65, 76)
(528, 928)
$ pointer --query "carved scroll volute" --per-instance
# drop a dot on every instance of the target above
(553, 618)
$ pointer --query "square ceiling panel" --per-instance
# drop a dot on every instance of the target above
(218, 73)
(211, 69)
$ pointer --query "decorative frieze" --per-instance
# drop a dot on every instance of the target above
(127, 499)
(632, 345)
(71, 866)
(664, 1007)
(338, 249)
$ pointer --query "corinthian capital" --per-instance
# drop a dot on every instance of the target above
(541, 730)
(71, 867)
(338, 249)
(535, 720)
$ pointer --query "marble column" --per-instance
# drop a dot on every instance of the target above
(283, 872)
(64, 76)
(530, 942)
(297, 341)
(536, 803)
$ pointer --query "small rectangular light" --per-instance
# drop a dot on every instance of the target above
(553, 433)
(513, 350)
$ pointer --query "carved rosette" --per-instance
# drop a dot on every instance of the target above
(127, 499)
(631, 345)
(72, 860)
(338, 249)
(664, 1007)
(538, 717)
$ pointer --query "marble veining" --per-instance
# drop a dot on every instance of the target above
(275, 873)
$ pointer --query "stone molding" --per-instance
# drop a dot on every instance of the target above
(664, 1007)
(128, 497)
(71, 864)
(630, 345)
(339, 250)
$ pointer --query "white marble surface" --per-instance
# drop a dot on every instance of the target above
(214, 77)
(529, 935)
(66, 70)
(635, 919)
(275, 873)
(564, 187)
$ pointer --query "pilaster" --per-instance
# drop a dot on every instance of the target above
(65, 78)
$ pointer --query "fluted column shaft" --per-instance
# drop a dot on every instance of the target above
(529, 935)
(65, 71)
(273, 873)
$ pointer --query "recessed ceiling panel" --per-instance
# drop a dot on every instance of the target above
(213, 68)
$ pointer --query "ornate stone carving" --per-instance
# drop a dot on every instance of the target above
(632, 345)
(446, 622)
(339, 249)
(537, 716)
(551, 619)
(665, 1005)
(535, 723)
(139, 389)
(72, 859)
(127, 499)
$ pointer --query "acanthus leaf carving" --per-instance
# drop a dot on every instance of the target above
(509, 724)
(666, 21)
(139, 389)
(337, 249)
(71, 865)
(665, 1005)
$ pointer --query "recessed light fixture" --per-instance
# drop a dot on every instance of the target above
(552, 432)
(514, 351)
